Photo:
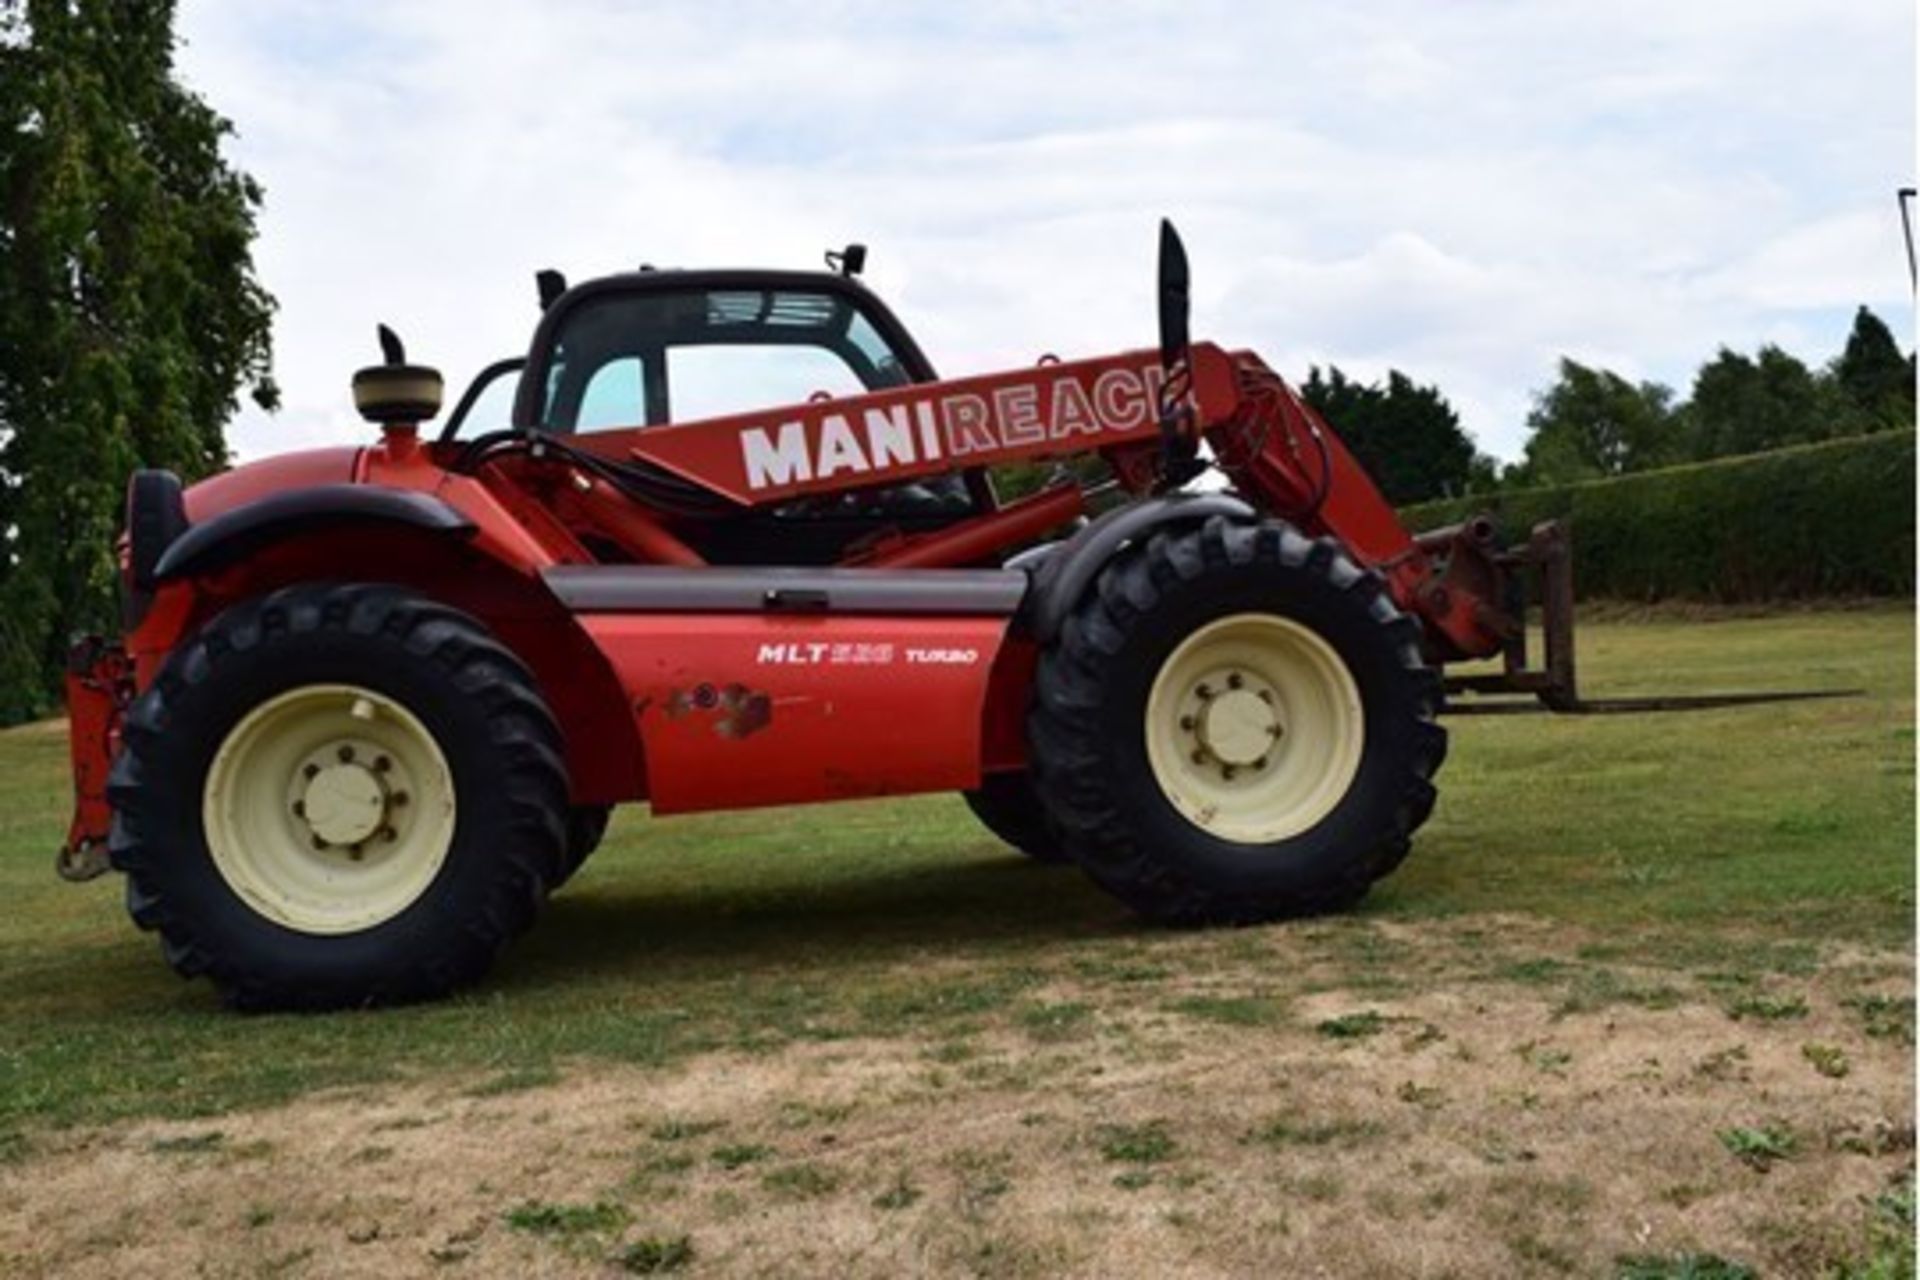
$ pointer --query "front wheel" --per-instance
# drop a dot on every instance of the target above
(338, 795)
(1236, 725)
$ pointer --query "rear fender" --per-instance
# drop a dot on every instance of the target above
(603, 748)
(234, 534)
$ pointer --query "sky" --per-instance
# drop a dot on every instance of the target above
(1463, 191)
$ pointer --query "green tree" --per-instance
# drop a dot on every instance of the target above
(1406, 435)
(1876, 380)
(1593, 422)
(130, 315)
(1743, 405)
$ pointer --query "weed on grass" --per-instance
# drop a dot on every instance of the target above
(1760, 1148)
(1532, 970)
(668, 1163)
(1235, 1011)
(1544, 1057)
(1828, 1059)
(802, 1115)
(188, 1143)
(1531, 1248)
(1871, 1138)
(540, 1218)
(1050, 1022)
(735, 1155)
(1418, 1040)
(654, 1255)
(1592, 990)
(1680, 1266)
(1884, 1017)
(1724, 1064)
(678, 1130)
(1424, 1096)
(1133, 1179)
(943, 1001)
(1352, 1026)
(900, 1195)
(1765, 1008)
(514, 1081)
(1292, 1130)
(1135, 1143)
(803, 1181)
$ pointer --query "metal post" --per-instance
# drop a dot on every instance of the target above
(1562, 693)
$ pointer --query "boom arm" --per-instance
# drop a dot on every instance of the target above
(1279, 454)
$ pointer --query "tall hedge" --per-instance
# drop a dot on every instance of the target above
(1830, 519)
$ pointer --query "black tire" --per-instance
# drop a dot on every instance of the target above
(586, 828)
(1006, 805)
(502, 750)
(1089, 749)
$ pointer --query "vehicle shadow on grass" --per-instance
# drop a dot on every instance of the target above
(974, 906)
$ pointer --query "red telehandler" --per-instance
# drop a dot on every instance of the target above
(372, 705)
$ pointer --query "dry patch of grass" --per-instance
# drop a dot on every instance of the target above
(1097, 1122)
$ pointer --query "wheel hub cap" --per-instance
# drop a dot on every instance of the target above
(344, 804)
(1237, 727)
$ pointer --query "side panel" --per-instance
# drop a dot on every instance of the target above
(737, 710)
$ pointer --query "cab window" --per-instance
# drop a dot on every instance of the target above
(676, 355)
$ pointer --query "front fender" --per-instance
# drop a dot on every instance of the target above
(1070, 567)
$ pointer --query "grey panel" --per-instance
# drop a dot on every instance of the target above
(670, 589)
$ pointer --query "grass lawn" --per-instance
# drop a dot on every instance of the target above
(1597, 862)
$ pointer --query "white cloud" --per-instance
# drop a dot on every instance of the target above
(1463, 191)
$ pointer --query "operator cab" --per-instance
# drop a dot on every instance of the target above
(651, 347)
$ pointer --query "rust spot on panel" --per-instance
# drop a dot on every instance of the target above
(735, 710)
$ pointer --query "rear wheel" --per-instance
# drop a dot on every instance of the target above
(338, 795)
(1007, 805)
(1235, 725)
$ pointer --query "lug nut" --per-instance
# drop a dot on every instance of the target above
(1275, 730)
(345, 753)
(1203, 692)
(1227, 771)
(1234, 681)
(356, 853)
(381, 764)
(299, 808)
(1266, 697)
(1187, 723)
(397, 799)
(389, 834)
(1199, 756)
(319, 843)
(1261, 763)
(310, 772)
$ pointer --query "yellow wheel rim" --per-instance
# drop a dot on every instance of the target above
(1254, 728)
(329, 809)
